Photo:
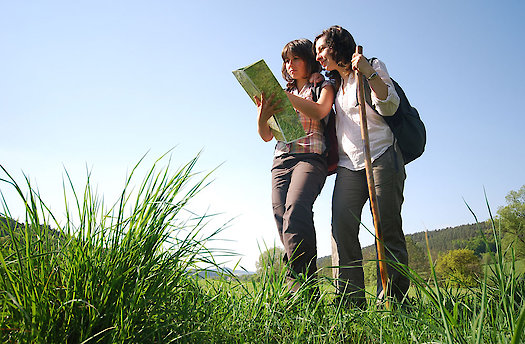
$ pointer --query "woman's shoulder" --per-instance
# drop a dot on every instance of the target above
(319, 86)
(322, 84)
(327, 83)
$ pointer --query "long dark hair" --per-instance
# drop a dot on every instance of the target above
(302, 48)
(341, 45)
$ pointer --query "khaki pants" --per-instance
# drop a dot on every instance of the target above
(297, 180)
(349, 197)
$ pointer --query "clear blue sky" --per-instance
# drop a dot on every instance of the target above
(97, 84)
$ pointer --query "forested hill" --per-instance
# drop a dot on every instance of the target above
(447, 239)
(440, 241)
(7, 224)
(453, 238)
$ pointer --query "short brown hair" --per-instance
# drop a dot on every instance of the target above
(302, 48)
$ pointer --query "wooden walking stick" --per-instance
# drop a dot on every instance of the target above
(371, 184)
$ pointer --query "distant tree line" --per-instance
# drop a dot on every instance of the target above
(459, 252)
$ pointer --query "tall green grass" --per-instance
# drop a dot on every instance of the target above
(105, 275)
(126, 274)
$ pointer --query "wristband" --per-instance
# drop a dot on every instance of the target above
(373, 75)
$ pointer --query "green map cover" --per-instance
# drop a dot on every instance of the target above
(258, 78)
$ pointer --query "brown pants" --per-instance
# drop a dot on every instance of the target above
(349, 197)
(297, 180)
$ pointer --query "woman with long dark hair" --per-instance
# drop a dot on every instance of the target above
(335, 50)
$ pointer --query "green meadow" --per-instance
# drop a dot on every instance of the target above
(127, 272)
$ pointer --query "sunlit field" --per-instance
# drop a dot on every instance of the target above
(128, 273)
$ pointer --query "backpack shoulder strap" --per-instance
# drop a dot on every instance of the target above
(368, 91)
(316, 91)
(368, 94)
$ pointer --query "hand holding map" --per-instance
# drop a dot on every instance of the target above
(257, 79)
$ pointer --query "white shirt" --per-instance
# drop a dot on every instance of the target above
(351, 152)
